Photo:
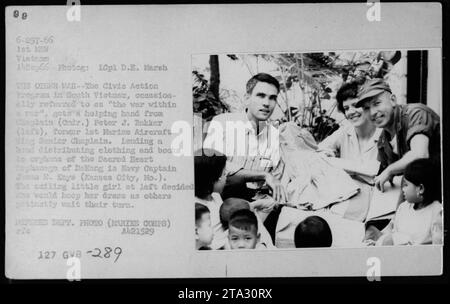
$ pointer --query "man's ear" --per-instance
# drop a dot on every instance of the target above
(393, 99)
(196, 233)
(246, 99)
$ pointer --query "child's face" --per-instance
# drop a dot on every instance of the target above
(204, 230)
(243, 239)
(410, 191)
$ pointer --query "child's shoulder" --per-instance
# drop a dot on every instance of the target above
(436, 206)
(217, 197)
(404, 206)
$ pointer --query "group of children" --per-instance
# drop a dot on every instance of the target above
(241, 224)
(238, 224)
(229, 224)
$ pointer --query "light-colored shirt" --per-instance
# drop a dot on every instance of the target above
(233, 135)
(415, 227)
(393, 143)
(344, 142)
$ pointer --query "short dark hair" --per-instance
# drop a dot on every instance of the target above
(262, 77)
(207, 171)
(313, 231)
(346, 91)
(243, 219)
(424, 171)
(229, 206)
(200, 209)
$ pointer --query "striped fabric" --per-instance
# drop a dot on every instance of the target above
(232, 134)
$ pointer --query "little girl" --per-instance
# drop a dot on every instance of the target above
(418, 220)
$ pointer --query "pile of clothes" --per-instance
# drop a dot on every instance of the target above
(310, 181)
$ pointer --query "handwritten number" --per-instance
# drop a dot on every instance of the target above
(98, 255)
(118, 252)
(107, 252)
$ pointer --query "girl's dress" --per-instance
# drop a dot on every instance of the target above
(415, 227)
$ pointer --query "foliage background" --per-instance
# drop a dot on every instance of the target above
(309, 82)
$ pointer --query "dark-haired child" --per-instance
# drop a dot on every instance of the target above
(210, 177)
(243, 230)
(229, 206)
(313, 231)
(232, 204)
(418, 220)
(203, 230)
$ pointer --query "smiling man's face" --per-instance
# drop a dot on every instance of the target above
(381, 109)
(261, 101)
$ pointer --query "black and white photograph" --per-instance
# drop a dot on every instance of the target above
(330, 149)
(249, 143)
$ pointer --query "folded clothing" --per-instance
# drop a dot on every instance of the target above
(310, 181)
(345, 233)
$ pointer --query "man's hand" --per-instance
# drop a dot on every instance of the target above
(278, 193)
(263, 204)
(369, 242)
(326, 153)
(419, 149)
(381, 179)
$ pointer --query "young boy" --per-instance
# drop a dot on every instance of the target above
(243, 230)
(203, 230)
(313, 231)
(230, 206)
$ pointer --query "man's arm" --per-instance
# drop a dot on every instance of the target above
(419, 149)
(245, 175)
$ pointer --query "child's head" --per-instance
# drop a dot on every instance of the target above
(420, 184)
(209, 168)
(313, 231)
(229, 206)
(203, 229)
(243, 230)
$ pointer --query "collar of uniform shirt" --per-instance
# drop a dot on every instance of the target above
(256, 128)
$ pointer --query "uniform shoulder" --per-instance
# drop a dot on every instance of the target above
(415, 108)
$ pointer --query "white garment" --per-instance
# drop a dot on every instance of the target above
(233, 135)
(345, 233)
(344, 142)
(310, 181)
(416, 226)
(393, 143)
